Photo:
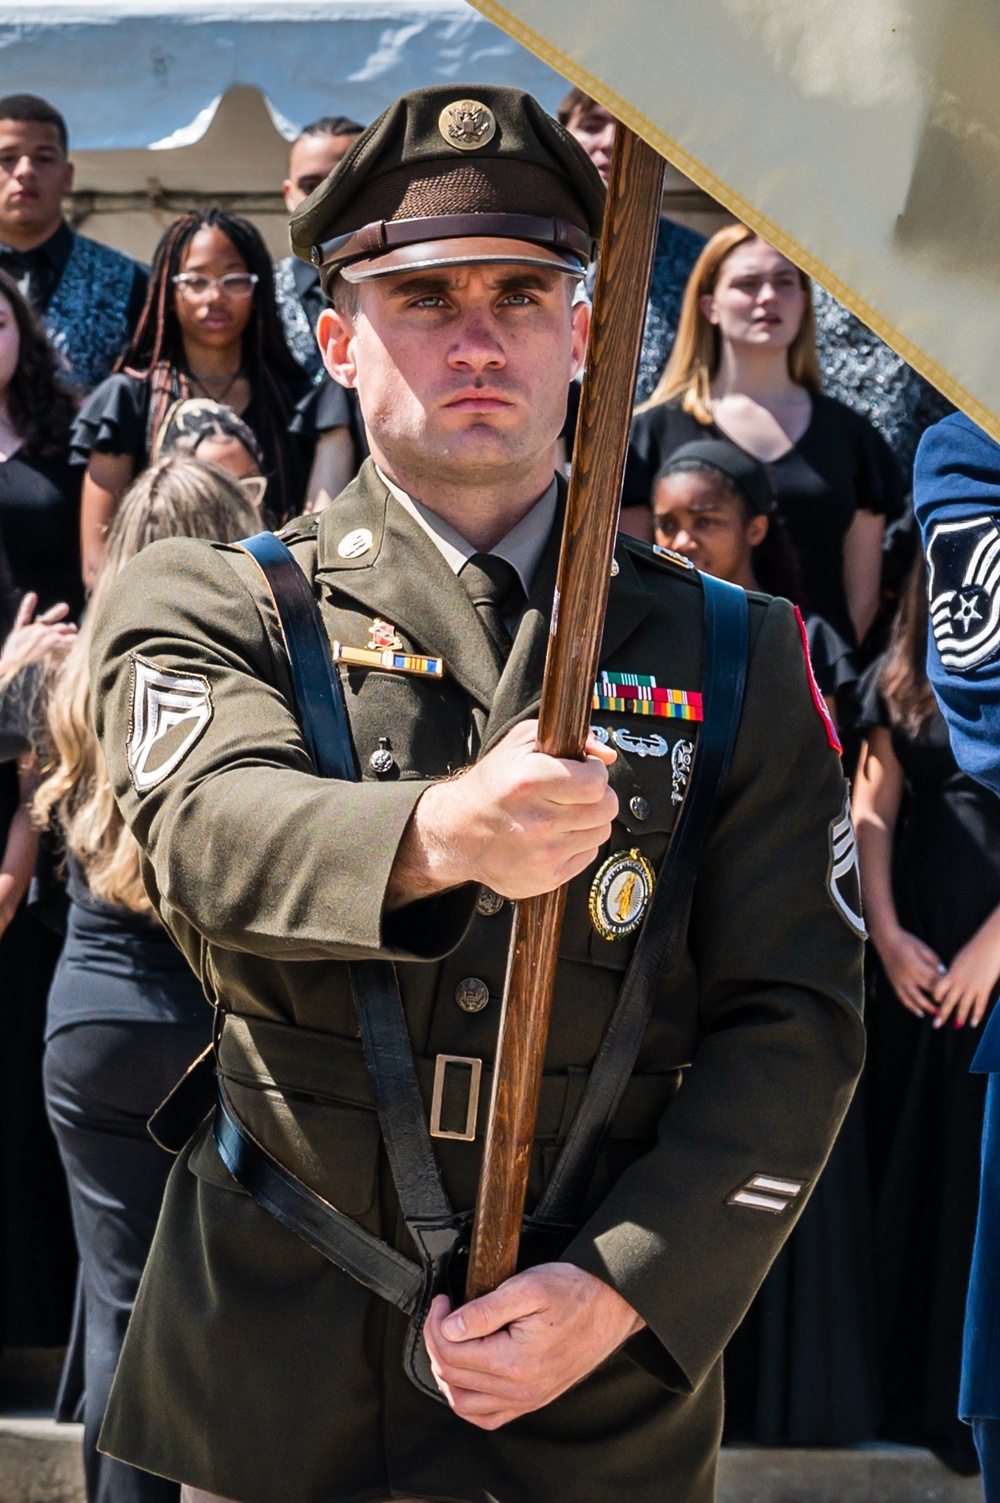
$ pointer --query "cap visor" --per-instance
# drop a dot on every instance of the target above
(431, 255)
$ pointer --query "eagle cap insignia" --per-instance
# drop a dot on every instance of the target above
(467, 124)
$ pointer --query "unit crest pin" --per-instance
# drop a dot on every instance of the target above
(383, 635)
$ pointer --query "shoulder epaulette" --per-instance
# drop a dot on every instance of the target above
(652, 553)
(299, 530)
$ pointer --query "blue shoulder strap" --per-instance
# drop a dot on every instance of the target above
(320, 699)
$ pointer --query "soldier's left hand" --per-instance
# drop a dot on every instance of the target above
(520, 1347)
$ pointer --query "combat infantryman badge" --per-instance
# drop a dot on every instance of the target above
(620, 894)
(963, 588)
(169, 711)
(467, 125)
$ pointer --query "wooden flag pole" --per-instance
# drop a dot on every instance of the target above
(627, 244)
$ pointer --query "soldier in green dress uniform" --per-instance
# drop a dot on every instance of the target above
(450, 240)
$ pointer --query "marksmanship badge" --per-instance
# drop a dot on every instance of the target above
(467, 125)
(169, 711)
(963, 588)
(620, 894)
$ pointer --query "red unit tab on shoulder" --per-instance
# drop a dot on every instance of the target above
(818, 700)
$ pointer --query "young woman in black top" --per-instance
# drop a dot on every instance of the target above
(713, 504)
(744, 367)
(126, 1015)
(210, 328)
(929, 852)
(39, 489)
(39, 561)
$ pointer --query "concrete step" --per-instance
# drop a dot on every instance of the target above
(859, 1474)
(40, 1463)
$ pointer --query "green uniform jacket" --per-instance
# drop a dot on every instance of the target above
(253, 1368)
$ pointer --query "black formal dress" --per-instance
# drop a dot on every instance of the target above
(37, 1253)
(115, 419)
(925, 1109)
(839, 466)
(126, 1017)
(40, 524)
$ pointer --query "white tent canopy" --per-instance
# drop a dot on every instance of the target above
(139, 73)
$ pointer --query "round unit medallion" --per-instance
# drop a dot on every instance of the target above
(620, 893)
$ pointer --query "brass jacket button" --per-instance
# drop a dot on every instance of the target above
(381, 760)
(489, 902)
(639, 807)
(472, 994)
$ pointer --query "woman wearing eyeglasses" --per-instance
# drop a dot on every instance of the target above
(209, 328)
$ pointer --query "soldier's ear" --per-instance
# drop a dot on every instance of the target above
(581, 332)
(335, 336)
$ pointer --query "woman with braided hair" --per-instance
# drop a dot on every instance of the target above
(209, 328)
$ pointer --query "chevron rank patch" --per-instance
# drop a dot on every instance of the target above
(963, 587)
(168, 712)
(767, 1192)
(843, 878)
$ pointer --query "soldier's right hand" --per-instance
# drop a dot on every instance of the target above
(519, 821)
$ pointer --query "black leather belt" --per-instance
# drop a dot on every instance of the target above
(439, 1233)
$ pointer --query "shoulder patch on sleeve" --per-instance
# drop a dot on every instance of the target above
(168, 711)
(817, 698)
(963, 589)
(843, 877)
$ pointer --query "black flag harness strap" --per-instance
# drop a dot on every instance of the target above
(440, 1235)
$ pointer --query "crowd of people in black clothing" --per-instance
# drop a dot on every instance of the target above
(772, 445)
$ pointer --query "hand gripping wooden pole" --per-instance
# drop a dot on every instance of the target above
(627, 244)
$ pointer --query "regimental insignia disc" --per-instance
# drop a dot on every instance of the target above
(467, 124)
(620, 894)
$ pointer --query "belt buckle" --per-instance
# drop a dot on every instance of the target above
(437, 1098)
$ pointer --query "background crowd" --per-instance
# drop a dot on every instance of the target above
(772, 444)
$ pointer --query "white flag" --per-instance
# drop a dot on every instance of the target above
(862, 137)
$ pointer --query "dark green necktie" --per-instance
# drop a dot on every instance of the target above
(495, 589)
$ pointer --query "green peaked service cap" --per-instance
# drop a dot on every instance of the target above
(454, 163)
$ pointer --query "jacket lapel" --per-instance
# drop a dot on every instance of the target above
(404, 578)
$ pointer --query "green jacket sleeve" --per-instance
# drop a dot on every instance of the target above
(240, 838)
(782, 1040)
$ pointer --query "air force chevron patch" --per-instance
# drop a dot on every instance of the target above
(169, 711)
(963, 588)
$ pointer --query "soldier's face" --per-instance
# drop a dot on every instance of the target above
(462, 372)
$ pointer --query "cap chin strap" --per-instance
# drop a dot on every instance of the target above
(385, 235)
